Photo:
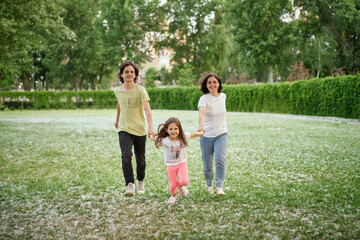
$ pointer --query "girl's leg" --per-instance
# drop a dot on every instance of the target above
(220, 146)
(173, 179)
(183, 174)
(126, 143)
(207, 155)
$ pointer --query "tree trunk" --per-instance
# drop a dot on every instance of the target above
(82, 80)
(47, 80)
(26, 81)
(354, 55)
(76, 82)
(92, 81)
(101, 73)
(270, 73)
(2, 73)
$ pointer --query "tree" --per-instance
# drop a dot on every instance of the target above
(151, 76)
(340, 19)
(197, 34)
(260, 32)
(124, 25)
(25, 24)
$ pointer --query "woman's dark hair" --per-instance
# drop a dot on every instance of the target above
(204, 89)
(162, 133)
(124, 65)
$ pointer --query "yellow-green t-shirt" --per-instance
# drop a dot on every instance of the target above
(132, 118)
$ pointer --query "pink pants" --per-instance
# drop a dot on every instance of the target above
(173, 172)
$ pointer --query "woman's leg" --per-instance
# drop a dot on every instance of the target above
(220, 146)
(207, 155)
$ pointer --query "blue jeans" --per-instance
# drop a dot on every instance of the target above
(126, 141)
(210, 148)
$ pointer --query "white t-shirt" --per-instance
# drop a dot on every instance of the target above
(215, 118)
(174, 152)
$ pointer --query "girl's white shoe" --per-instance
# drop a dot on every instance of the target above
(172, 200)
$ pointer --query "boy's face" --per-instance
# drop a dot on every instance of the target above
(128, 74)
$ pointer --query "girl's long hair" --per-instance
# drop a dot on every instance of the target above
(163, 134)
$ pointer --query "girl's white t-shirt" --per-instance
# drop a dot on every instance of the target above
(215, 118)
(174, 152)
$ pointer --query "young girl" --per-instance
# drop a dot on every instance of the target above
(173, 138)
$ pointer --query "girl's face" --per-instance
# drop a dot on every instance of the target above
(173, 131)
(212, 85)
(128, 74)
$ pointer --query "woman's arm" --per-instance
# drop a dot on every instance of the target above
(202, 113)
(118, 110)
(197, 134)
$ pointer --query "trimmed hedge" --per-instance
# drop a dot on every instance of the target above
(337, 96)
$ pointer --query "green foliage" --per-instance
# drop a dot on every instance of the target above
(340, 19)
(261, 35)
(186, 76)
(338, 96)
(151, 76)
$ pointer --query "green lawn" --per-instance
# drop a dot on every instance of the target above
(288, 177)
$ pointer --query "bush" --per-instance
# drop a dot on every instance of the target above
(336, 96)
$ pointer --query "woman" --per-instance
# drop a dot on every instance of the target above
(212, 120)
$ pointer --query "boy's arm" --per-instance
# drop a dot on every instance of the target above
(118, 110)
(148, 114)
(153, 138)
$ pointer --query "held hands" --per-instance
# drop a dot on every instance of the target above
(151, 134)
(201, 131)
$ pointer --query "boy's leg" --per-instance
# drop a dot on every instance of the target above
(139, 150)
(126, 143)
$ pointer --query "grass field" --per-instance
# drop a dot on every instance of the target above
(288, 177)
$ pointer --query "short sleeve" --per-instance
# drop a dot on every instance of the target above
(202, 101)
(144, 96)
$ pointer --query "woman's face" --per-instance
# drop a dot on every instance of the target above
(212, 85)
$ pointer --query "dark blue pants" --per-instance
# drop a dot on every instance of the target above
(126, 141)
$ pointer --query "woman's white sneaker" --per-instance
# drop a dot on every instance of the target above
(220, 192)
(209, 189)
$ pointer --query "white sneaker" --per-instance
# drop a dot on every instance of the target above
(172, 200)
(184, 191)
(130, 191)
(141, 189)
(209, 189)
(220, 192)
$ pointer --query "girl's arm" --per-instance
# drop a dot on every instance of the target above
(197, 134)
